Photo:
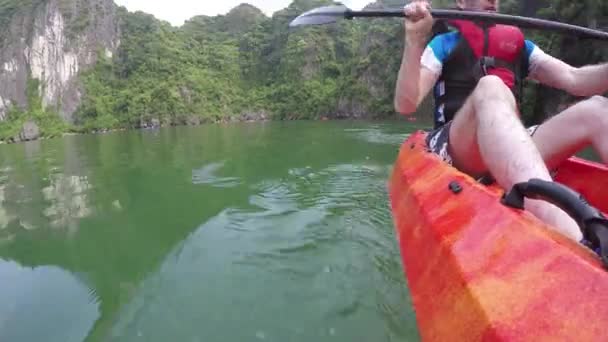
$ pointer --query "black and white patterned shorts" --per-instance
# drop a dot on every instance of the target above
(438, 141)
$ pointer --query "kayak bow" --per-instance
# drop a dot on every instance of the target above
(480, 270)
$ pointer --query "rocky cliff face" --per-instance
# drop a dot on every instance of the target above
(51, 41)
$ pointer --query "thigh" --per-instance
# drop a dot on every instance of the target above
(563, 135)
(488, 117)
(462, 145)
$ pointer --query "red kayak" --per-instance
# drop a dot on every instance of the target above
(480, 270)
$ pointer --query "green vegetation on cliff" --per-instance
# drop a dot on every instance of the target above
(47, 119)
(217, 68)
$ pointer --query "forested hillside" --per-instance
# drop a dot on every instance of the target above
(247, 66)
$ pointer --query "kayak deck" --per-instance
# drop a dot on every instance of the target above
(478, 270)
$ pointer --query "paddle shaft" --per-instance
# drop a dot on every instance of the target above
(496, 18)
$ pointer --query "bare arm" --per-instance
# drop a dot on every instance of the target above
(585, 81)
(413, 82)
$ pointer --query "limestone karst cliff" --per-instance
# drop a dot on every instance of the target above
(45, 43)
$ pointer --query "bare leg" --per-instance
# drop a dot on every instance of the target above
(582, 125)
(487, 135)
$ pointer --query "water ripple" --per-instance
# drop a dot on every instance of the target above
(308, 252)
(379, 136)
(207, 175)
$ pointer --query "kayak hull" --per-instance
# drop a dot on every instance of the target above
(480, 271)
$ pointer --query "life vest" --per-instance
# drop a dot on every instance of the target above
(483, 50)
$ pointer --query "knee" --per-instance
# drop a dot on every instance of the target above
(492, 88)
(595, 113)
(597, 103)
(491, 82)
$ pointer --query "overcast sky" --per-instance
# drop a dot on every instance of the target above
(177, 11)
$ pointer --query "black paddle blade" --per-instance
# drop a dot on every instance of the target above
(321, 16)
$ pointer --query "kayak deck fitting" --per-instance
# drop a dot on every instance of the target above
(480, 270)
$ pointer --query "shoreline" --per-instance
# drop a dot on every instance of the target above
(201, 123)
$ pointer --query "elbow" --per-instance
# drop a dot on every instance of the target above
(574, 86)
(577, 91)
(405, 107)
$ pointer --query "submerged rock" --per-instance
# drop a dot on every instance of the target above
(29, 132)
(255, 116)
(193, 120)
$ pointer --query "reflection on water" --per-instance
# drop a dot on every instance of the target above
(4, 218)
(305, 259)
(42, 187)
(44, 304)
(187, 234)
(68, 198)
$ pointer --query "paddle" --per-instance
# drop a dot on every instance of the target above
(331, 14)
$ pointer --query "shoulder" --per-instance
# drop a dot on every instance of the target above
(438, 50)
(443, 44)
(534, 54)
(530, 47)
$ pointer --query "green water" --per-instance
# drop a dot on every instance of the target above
(245, 232)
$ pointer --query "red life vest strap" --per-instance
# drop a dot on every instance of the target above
(497, 47)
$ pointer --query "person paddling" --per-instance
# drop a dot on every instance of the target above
(475, 73)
